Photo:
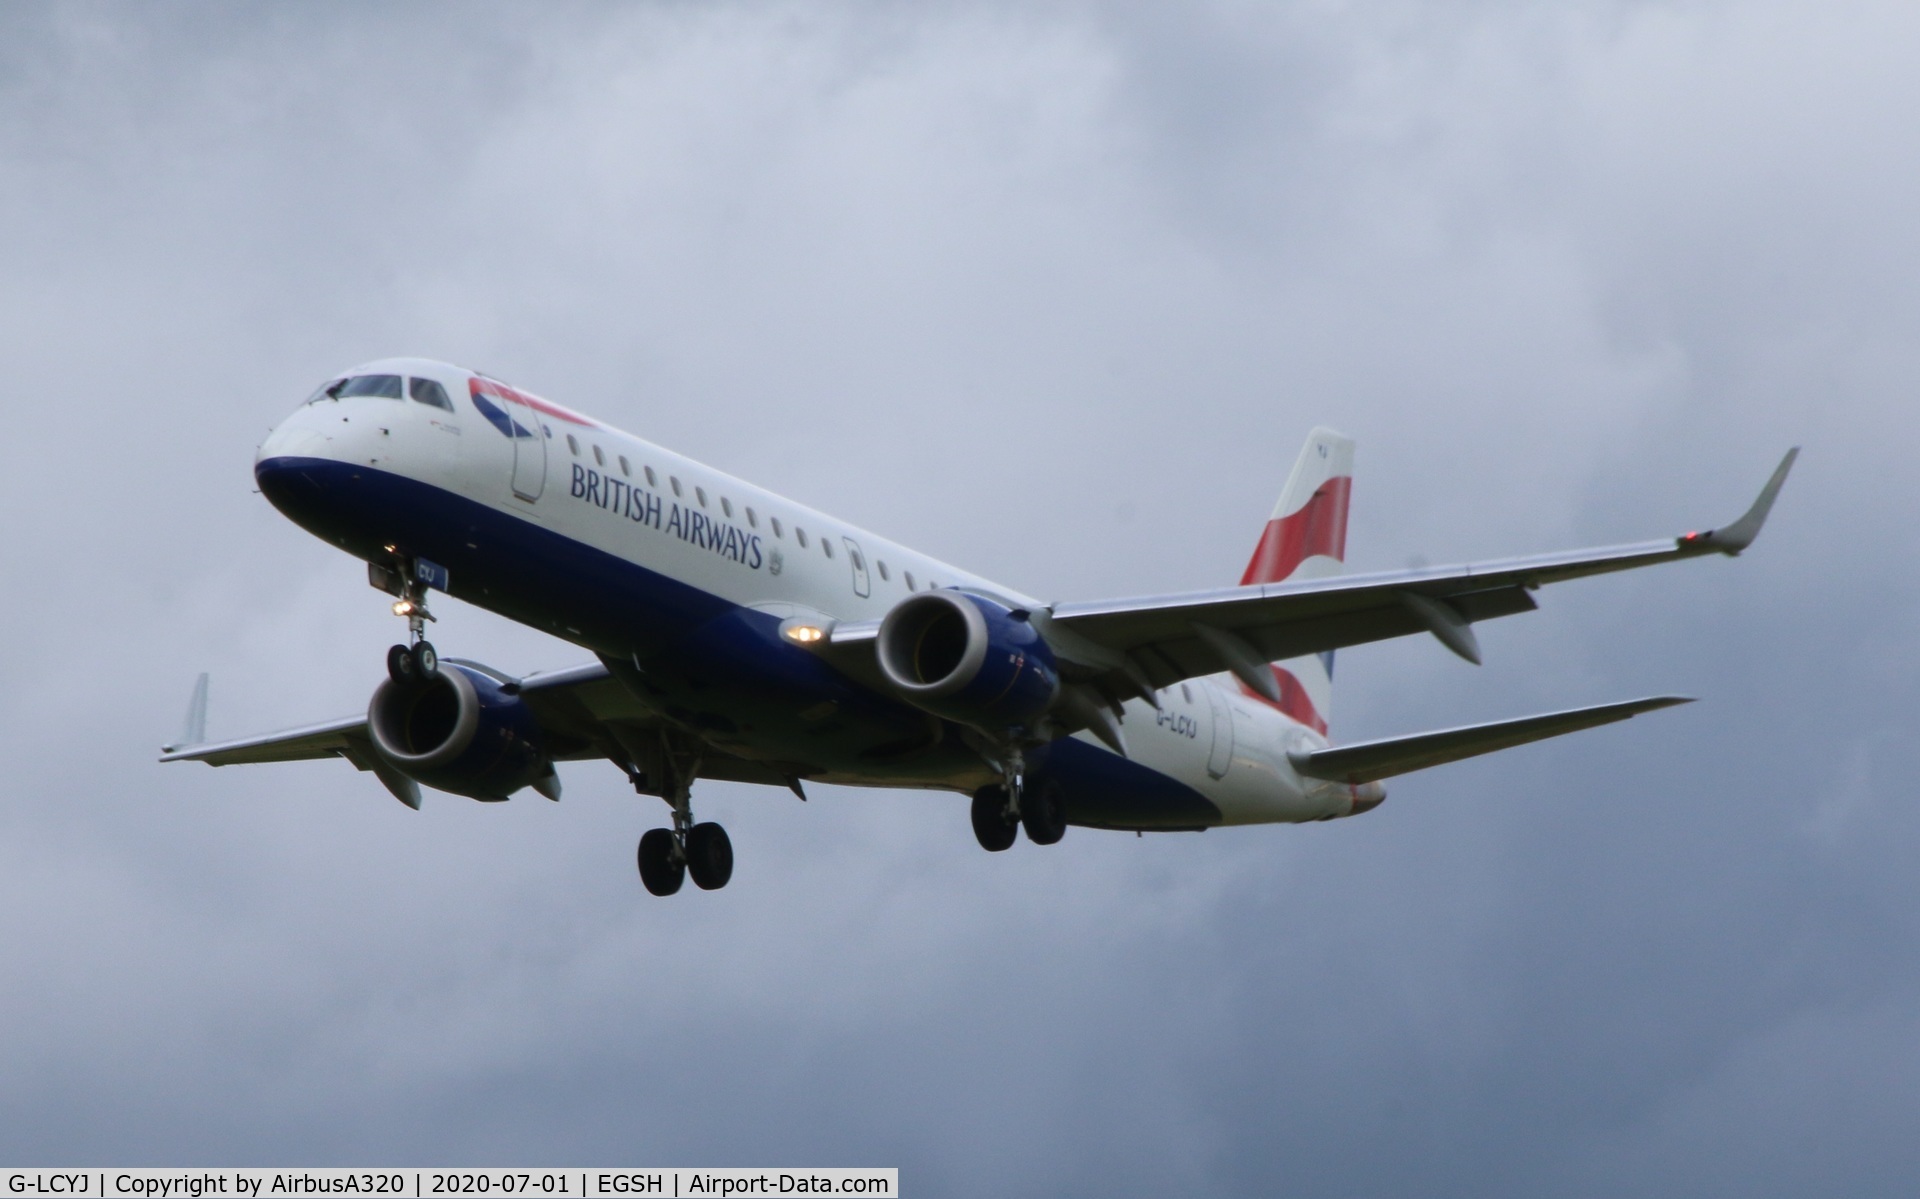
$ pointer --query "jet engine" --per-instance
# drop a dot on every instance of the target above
(968, 659)
(459, 731)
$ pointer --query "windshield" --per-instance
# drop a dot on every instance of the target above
(386, 386)
(324, 391)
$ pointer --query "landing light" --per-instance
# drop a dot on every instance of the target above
(805, 634)
(403, 608)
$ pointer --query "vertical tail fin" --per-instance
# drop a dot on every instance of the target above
(1306, 538)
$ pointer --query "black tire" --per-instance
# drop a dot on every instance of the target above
(426, 661)
(992, 826)
(401, 667)
(1042, 814)
(709, 856)
(660, 870)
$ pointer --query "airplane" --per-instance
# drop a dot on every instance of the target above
(740, 636)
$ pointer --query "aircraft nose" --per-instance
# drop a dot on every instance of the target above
(298, 436)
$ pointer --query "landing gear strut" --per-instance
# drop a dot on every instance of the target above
(417, 661)
(668, 856)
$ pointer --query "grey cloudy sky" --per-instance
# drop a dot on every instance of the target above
(1053, 291)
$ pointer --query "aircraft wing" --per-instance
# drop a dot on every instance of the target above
(570, 702)
(585, 711)
(1370, 761)
(333, 738)
(1136, 644)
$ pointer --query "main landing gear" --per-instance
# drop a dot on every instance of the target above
(668, 856)
(1000, 811)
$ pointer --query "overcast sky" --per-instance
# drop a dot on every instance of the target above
(1053, 291)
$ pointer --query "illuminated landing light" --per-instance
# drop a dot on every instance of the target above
(804, 634)
(403, 608)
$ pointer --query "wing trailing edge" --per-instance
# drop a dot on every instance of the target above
(1370, 761)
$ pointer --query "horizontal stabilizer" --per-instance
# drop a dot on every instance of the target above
(1372, 760)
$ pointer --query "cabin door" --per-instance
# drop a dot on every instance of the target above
(1220, 756)
(529, 450)
(862, 582)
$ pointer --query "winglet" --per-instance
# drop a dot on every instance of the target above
(1740, 534)
(194, 731)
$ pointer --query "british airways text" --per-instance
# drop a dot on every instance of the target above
(644, 507)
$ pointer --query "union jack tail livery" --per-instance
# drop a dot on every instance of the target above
(1307, 539)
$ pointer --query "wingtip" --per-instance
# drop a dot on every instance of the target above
(193, 731)
(1668, 701)
(1732, 539)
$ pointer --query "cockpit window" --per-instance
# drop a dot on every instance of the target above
(429, 392)
(385, 386)
(325, 391)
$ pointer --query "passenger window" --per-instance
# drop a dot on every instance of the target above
(624, 468)
(652, 481)
(826, 547)
(753, 522)
(387, 387)
(777, 530)
(726, 507)
(859, 563)
(599, 458)
(908, 576)
(700, 493)
(883, 569)
(800, 535)
(573, 445)
(429, 392)
(675, 480)
(1186, 693)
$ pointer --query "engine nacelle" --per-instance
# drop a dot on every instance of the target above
(459, 732)
(968, 659)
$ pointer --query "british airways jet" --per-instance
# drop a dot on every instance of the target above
(738, 635)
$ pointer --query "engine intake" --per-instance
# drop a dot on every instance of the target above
(459, 732)
(968, 659)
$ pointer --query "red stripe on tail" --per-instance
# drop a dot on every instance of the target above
(1318, 528)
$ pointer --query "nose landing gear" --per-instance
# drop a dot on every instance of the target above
(417, 661)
